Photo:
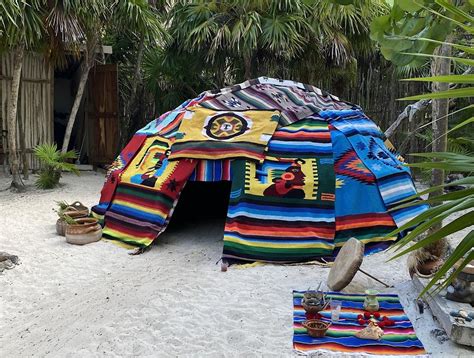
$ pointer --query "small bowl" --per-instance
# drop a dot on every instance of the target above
(313, 308)
(316, 328)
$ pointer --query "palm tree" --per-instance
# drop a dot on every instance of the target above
(242, 29)
(412, 36)
(239, 39)
(79, 26)
(21, 29)
(137, 22)
(76, 27)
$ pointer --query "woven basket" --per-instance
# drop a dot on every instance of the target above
(316, 328)
(75, 213)
(85, 231)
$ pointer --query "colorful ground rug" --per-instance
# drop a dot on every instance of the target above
(399, 339)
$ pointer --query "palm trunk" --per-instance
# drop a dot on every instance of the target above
(24, 156)
(440, 111)
(137, 75)
(18, 54)
(88, 62)
(135, 81)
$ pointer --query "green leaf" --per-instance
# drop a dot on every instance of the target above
(466, 49)
(462, 124)
(468, 29)
(343, 2)
(443, 271)
(452, 93)
(456, 10)
(434, 218)
(458, 194)
(464, 181)
(466, 244)
(409, 5)
(460, 167)
(464, 61)
(449, 79)
(444, 155)
(456, 225)
(444, 209)
(431, 212)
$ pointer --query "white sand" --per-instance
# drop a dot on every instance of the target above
(96, 300)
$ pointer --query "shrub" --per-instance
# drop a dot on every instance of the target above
(53, 163)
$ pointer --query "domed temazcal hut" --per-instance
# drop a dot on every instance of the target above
(308, 172)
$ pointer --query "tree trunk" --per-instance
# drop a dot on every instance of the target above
(85, 68)
(18, 54)
(24, 157)
(440, 111)
(136, 80)
(247, 67)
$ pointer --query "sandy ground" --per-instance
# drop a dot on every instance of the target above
(95, 300)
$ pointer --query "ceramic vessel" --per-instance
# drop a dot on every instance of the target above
(314, 301)
(61, 227)
(86, 230)
(371, 303)
(316, 328)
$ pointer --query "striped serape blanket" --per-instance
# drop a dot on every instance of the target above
(399, 339)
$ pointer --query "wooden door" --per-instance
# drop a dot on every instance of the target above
(102, 114)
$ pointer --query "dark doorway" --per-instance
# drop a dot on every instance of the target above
(201, 202)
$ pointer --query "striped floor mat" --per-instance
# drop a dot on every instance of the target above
(399, 339)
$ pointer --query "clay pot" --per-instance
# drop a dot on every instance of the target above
(316, 328)
(86, 230)
(428, 268)
(61, 227)
(371, 304)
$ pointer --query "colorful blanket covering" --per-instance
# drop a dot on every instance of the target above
(295, 100)
(283, 209)
(399, 339)
(209, 134)
(298, 192)
(212, 170)
(393, 179)
(360, 210)
(147, 193)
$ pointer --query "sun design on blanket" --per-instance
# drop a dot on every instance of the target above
(226, 126)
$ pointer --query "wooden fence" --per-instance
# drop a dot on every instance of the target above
(35, 122)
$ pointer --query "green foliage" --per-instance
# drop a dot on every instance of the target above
(21, 23)
(53, 162)
(214, 44)
(62, 204)
(456, 145)
(451, 203)
(402, 33)
(409, 35)
(69, 220)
